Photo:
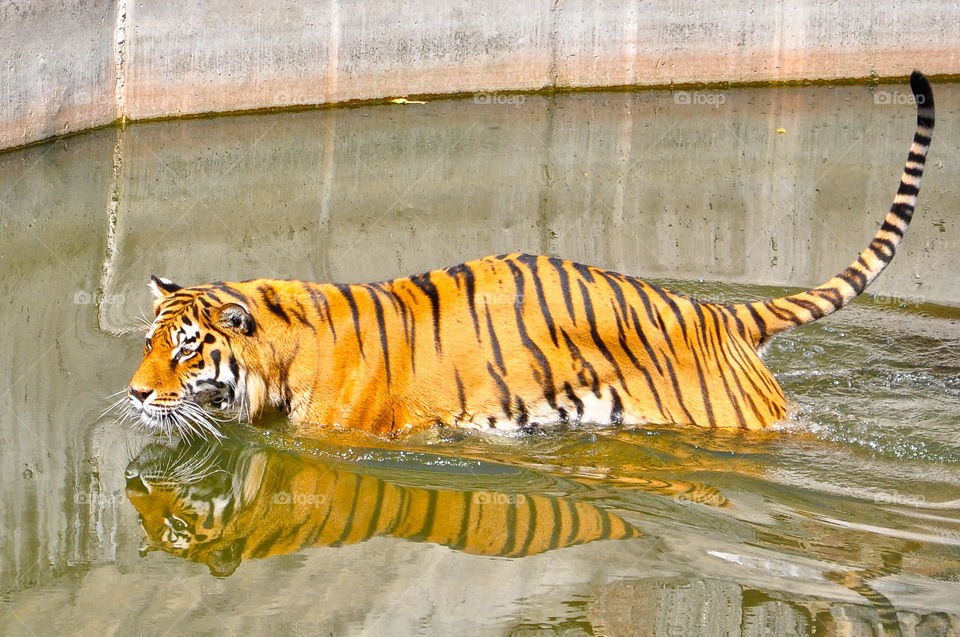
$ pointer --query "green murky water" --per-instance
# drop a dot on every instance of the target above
(845, 520)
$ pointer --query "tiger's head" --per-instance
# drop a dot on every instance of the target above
(192, 358)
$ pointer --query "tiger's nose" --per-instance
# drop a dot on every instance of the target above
(140, 394)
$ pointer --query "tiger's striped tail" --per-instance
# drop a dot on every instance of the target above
(778, 315)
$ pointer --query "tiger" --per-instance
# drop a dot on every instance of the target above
(505, 343)
(221, 502)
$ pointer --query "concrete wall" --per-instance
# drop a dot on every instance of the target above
(58, 71)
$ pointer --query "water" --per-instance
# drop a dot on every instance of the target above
(843, 520)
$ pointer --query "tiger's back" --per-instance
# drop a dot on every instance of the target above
(529, 340)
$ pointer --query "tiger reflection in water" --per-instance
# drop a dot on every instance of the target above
(221, 503)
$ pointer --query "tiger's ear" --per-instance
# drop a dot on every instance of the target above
(234, 317)
(162, 287)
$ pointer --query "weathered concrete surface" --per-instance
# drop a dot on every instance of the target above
(228, 56)
(57, 71)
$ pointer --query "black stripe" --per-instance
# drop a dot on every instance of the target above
(782, 313)
(856, 279)
(815, 310)
(319, 298)
(466, 272)
(621, 334)
(425, 284)
(883, 248)
(676, 391)
(522, 417)
(549, 390)
(348, 524)
(233, 366)
(916, 158)
(555, 526)
(653, 313)
(643, 340)
(264, 546)
(409, 330)
(215, 357)
(510, 523)
(428, 520)
(715, 342)
(460, 395)
(574, 523)
(728, 312)
(272, 301)
(347, 293)
(656, 394)
(585, 271)
(759, 321)
(531, 528)
(595, 335)
(301, 316)
(622, 339)
(616, 412)
(494, 343)
(617, 288)
(604, 524)
(903, 211)
(229, 291)
(736, 351)
(577, 403)
(665, 296)
(464, 526)
(312, 538)
(705, 395)
(889, 227)
(578, 357)
(377, 508)
(558, 265)
(701, 323)
(531, 262)
(503, 391)
(907, 189)
(829, 294)
(381, 325)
